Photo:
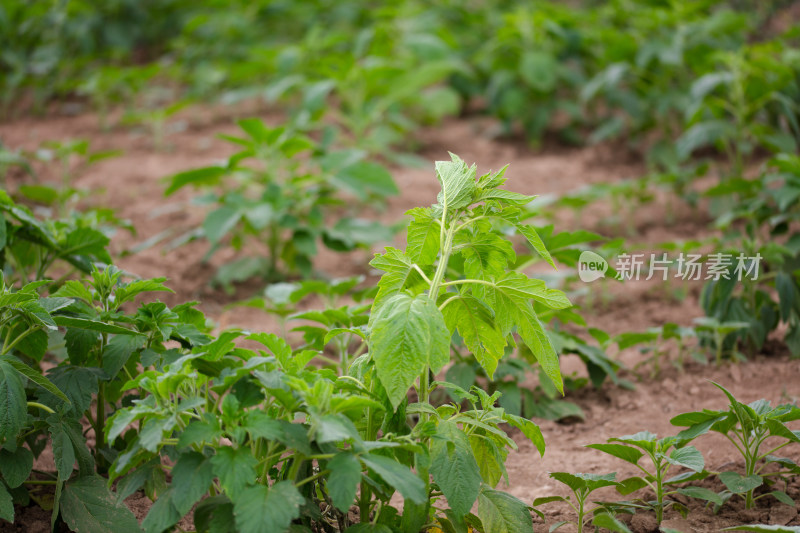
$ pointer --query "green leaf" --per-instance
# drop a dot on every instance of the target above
(579, 481)
(219, 222)
(77, 383)
(739, 484)
(486, 256)
(235, 468)
(198, 178)
(67, 435)
(264, 509)
(63, 451)
(93, 325)
(475, 325)
(502, 513)
(192, 476)
(458, 183)
(703, 134)
(80, 343)
(606, 521)
(783, 498)
(620, 451)
(689, 457)
(366, 177)
(13, 402)
(118, 350)
(408, 334)
(6, 505)
(162, 515)
(539, 69)
(702, 494)
(630, 485)
(454, 468)
(15, 466)
(399, 275)
(88, 507)
(343, 480)
(398, 476)
(34, 376)
(424, 235)
(529, 429)
(529, 232)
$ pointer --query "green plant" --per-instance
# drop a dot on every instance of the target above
(93, 349)
(285, 202)
(334, 328)
(748, 427)
(748, 102)
(277, 441)
(582, 485)
(663, 454)
(760, 288)
(33, 249)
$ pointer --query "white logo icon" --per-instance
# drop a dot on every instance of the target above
(591, 266)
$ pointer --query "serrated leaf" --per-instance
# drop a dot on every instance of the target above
(407, 334)
(93, 325)
(343, 480)
(63, 451)
(500, 512)
(530, 233)
(529, 429)
(34, 376)
(424, 237)
(191, 478)
(235, 468)
(398, 476)
(399, 275)
(264, 509)
(454, 468)
(474, 323)
(13, 402)
(77, 383)
(88, 507)
(457, 181)
(486, 256)
(511, 197)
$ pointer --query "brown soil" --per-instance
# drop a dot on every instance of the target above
(133, 185)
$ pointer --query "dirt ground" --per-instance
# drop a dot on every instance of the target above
(133, 184)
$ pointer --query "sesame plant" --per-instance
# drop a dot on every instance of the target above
(277, 443)
(284, 192)
(663, 454)
(90, 348)
(582, 485)
(748, 427)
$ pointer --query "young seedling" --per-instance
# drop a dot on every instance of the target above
(581, 486)
(748, 427)
(663, 454)
(718, 332)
